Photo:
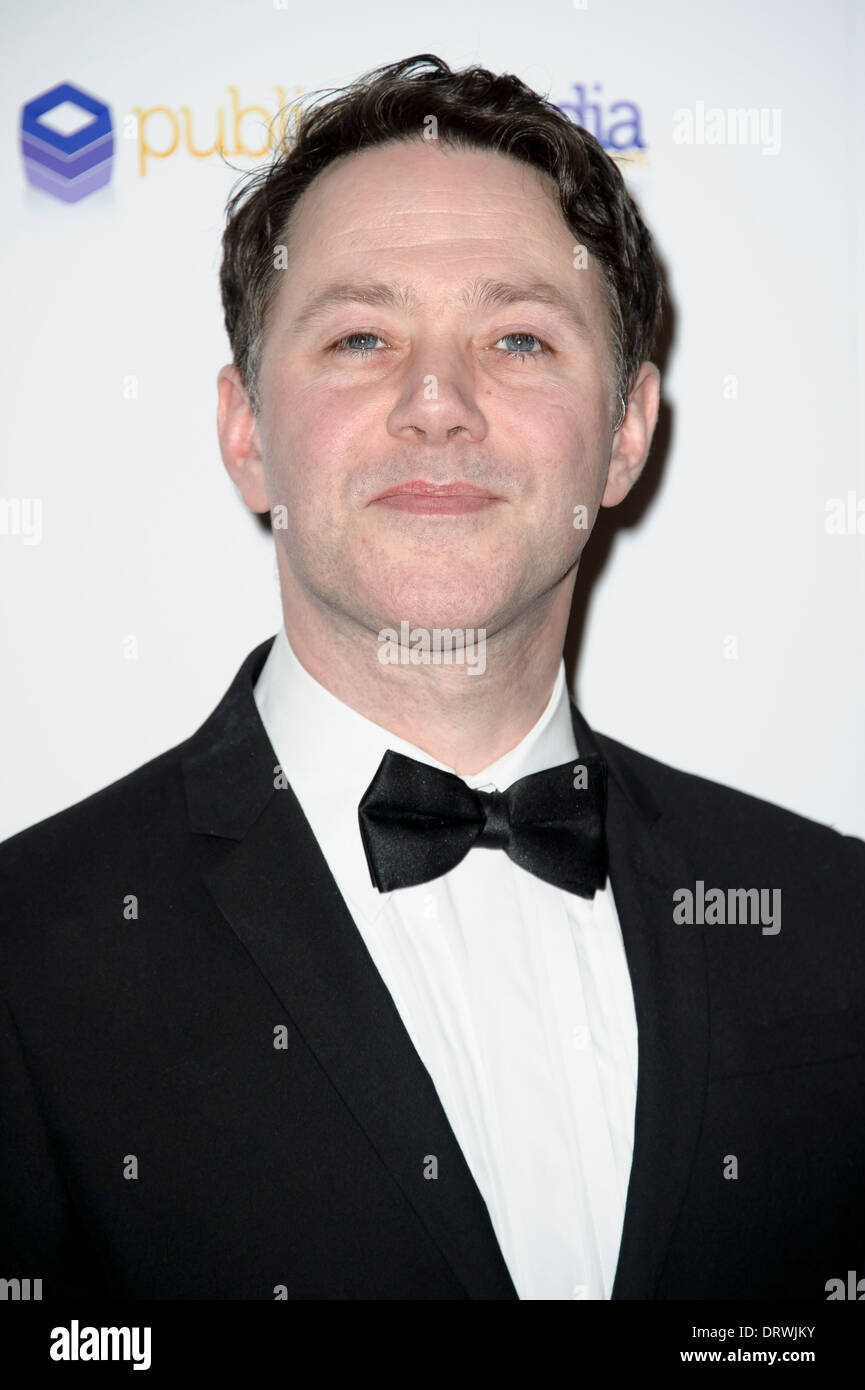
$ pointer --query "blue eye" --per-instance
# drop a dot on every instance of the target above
(519, 354)
(341, 344)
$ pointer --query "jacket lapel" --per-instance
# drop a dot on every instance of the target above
(668, 973)
(267, 875)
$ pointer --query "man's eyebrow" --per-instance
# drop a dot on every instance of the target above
(482, 294)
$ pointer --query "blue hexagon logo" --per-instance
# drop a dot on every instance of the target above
(67, 142)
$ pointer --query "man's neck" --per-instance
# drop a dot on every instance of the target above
(466, 713)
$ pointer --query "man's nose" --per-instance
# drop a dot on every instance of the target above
(438, 397)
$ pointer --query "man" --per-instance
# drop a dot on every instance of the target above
(395, 980)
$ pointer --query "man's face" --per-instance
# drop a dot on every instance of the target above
(500, 448)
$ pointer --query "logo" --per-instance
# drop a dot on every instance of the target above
(78, 1343)
(67, 142)
(617, 126)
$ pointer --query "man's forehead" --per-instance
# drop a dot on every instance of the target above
(411, 168)
(336, 257)
(412, 195)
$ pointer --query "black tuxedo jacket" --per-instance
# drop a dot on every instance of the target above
(208, 1093)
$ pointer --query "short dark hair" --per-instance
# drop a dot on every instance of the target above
(474, 108)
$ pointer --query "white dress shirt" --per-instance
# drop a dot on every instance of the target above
(515, 993)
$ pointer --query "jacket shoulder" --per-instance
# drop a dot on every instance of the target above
(706, 809)
(137, 813)
(69, 847)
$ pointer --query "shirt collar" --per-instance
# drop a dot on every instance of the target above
(330, 754)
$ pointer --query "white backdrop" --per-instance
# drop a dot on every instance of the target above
(113, 337)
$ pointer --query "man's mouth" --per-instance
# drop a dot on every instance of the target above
(447, 499)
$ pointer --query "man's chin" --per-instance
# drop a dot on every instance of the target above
(429, 606)
(441, 544)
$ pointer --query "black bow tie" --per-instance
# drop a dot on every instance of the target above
(417, 822)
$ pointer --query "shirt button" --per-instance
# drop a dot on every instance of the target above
(580, 1037)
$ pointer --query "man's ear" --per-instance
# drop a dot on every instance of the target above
(239, 441)
(631, 442)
